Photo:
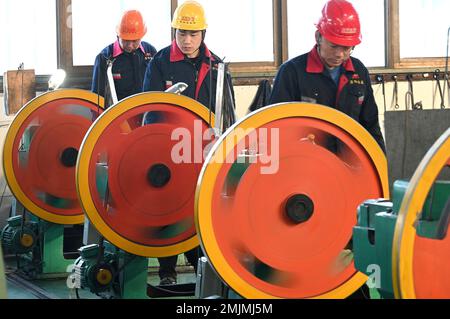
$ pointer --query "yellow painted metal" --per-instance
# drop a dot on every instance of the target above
(104, 276)
(26, 240)
(24, 113)
(85, 155)
(212, 166)
(405, 232)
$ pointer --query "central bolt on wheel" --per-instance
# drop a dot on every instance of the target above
(299, 208)
(41, 149)
(159, 175)
(135, 187)
(69, 157)
(276, 222)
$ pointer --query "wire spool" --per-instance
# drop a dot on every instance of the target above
(282, 231)
(40, 152)
(131, 186)
(419, 264)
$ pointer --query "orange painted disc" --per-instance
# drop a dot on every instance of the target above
(152, 172)
(45, 147)
(284, 204)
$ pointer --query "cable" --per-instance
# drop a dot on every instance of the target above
(77, 293)
(179, 293)
(210, 93)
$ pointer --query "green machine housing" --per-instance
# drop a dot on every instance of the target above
(38, 246)
(374, 233)
(110, 272)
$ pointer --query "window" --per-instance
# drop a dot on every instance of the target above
(303, 14)
(423, 31)
(29, 35)
(240, 30)
(94, 25)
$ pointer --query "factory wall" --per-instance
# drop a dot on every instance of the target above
(425, 91)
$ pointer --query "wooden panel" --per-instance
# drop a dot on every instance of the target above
(19, 87)
(64, 33)
(393, 35)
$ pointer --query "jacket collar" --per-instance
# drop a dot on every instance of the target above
(176, 55)
(117, 50)
(315, 65)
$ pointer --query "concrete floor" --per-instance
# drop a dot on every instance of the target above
(57, 287)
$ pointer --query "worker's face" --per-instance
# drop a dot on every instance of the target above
(331, 54)
(129, 45)
(189, 42)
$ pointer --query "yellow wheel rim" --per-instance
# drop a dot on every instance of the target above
(213, 165)
(412, 204)
(26, 241)
(86, 153)
(104, 277)
(8, 150)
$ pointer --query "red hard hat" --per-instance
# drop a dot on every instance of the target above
(132, 26)
(339, 23)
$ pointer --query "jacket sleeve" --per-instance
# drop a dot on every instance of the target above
(149, 48)
(99, 76)
(285, 87)
(369, 114)
(153, 50)
(153, 80)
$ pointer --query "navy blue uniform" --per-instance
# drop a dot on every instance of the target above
(128, 69)
(305, 79)
(170, 66)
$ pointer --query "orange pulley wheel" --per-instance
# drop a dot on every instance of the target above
(41, 149)
(419, 264)
(277, 199)
(137, 182)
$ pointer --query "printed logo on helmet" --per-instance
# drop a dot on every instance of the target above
(128, 30)
(186, 19)
(349, 30)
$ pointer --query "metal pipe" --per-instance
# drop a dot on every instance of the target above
(177, 88)
(219, 98)
(112, 87)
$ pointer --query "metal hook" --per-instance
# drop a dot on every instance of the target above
(410, 93)
(380, 79)
(441, 93)
(395, 94)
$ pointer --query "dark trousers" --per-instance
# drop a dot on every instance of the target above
(167, 264)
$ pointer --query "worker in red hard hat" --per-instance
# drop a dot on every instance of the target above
(130, 54)
(328, 74)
